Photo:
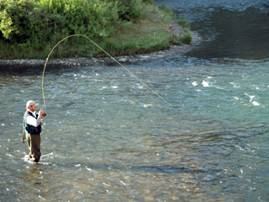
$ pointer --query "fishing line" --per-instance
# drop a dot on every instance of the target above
(106, 53)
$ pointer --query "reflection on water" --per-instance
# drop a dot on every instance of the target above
(188, 5)
(236, 34)
(231, 29)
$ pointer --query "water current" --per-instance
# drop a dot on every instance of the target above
(109, 138)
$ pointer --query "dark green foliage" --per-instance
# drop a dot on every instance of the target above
(30, 28)
(167, 10)
(186, 39)
(39, 20)
(131, 9)
(183, 22)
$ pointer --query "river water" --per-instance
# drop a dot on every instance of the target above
(107, 137)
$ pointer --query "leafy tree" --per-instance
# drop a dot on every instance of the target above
(42, 20)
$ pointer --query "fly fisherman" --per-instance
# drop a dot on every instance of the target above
(32, 128)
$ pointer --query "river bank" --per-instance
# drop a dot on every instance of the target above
(20, 65)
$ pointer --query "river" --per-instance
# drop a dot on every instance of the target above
(108, 137)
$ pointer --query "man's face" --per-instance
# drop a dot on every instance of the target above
(32, 107)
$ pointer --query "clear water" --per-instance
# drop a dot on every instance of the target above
(108, 138)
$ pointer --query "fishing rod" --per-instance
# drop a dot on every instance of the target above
(107, 54)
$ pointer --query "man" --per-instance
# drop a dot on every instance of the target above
(32, 129)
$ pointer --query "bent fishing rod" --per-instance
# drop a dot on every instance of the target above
(107, 54)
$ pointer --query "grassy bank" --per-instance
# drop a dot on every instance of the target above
(153, 32)
(147, 28)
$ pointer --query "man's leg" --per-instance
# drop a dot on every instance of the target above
(35, 147)
(28, 141)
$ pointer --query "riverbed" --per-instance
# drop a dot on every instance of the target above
(109, 137)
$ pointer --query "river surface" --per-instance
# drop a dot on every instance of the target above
(108, 137)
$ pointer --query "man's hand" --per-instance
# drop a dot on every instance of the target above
(42, 113)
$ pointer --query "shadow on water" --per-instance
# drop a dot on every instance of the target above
(26, 69)
(218, 143)
(165, 169)
(234, 34)
(33, 174)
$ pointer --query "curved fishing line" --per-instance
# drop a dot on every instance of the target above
(108, 54)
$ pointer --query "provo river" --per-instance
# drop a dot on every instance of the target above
(109, 138)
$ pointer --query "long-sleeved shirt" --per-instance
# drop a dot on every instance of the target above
(32, 121)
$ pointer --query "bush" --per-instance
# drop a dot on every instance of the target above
(186, 39)
(29, 28)
(38, 20)
(131, 9)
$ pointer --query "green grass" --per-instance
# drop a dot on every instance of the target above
(147, 35)
(144, 36)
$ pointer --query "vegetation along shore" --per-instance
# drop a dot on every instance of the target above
(30, 28)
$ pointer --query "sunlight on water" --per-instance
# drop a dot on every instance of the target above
(107, 137)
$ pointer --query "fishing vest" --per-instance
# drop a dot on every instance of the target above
(29, 128)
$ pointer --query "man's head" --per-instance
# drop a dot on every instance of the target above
(31, 106)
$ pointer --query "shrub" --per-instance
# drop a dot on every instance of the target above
(29, 20)
(131, 9)
(186, 38)
(29, 28)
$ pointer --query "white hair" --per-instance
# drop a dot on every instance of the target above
(29, 102)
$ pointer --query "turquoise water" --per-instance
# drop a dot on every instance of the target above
(108, 137)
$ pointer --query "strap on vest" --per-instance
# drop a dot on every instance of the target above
(31, 129)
